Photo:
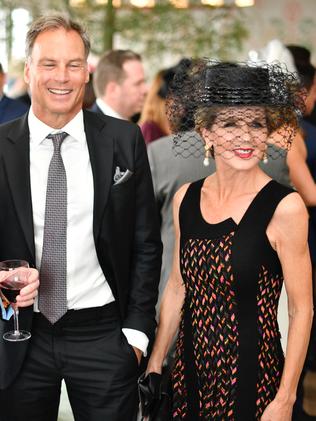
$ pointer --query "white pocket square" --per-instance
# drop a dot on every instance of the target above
(121, 176)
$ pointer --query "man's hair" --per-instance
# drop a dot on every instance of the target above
(300, 54)
(306, 74)
(53, 22)
(110, 68)
(1, 69)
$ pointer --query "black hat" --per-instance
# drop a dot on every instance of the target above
(242, 83)
(212, 85)
(226, 84)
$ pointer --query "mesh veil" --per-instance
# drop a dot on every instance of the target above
(234, 106)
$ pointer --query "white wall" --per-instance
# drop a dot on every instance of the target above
(291, 21)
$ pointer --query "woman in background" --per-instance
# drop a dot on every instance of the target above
(153, 120)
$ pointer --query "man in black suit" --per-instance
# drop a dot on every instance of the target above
(119, 84)
(93, 320)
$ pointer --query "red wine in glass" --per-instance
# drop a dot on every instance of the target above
(11, 289)
(16, 279)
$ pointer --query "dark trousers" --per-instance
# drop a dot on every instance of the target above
(88, 350)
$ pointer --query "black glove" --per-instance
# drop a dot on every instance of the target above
(155, 396)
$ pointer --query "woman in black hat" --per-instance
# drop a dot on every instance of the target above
(239, 235)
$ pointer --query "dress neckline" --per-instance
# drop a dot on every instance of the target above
(230, 222)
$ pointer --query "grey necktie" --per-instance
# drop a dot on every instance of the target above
(53, 272)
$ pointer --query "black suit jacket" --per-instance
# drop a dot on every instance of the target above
(125, 228)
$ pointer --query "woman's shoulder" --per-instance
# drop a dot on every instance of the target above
(180, 194)
(289, 225)
(194, 186)
(290, 208)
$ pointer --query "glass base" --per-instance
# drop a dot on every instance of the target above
(17, 336)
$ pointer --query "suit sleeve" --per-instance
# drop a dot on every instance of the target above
(156, 174)
(154, 168)
(147, 249)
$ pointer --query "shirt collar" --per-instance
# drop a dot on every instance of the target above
(107, 110)
(39, 130)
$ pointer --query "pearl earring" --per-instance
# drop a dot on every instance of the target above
(206, 161)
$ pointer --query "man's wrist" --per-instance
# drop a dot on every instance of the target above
(137, 339)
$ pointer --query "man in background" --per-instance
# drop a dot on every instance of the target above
(169, 173)
(119, 84)
(9, 108)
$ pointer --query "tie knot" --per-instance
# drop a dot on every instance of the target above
(57, 139)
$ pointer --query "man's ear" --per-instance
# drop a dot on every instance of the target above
(87, 75)
(27, 72)
(2, 81)
(112, 88)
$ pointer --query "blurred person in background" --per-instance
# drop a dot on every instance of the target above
(301, 56)
(17, 87)
(170, 170)
(300, 176)
(169, 173)
(9, 108)
(302, 156)
(302, 162)
(119, 84)
(153, 119)
(89, 95)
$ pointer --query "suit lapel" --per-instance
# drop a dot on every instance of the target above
(101, 150)
(17, 166)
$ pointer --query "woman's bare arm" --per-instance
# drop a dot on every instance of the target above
(172, 300)
(287, 233)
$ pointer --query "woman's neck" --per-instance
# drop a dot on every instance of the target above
(231, 183)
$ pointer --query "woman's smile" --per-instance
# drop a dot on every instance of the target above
(244, 153)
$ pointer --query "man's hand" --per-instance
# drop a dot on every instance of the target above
(138, 353)
(30, 291)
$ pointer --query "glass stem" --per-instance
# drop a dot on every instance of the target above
(16, 320)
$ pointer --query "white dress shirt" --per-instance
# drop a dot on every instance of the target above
(86, 284)
(107, 110)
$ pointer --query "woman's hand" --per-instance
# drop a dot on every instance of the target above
(30, 291)
(153, 367)
(277, 411)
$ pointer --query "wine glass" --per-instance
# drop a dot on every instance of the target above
(10, 288)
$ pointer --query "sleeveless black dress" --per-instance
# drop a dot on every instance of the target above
(229, 358)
